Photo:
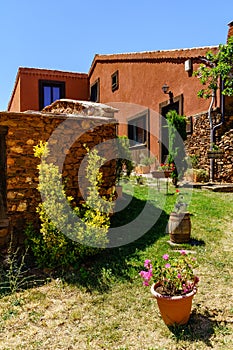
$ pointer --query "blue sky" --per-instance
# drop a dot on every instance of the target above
(66, 35)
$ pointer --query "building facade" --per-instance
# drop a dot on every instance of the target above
(134, 83)
(143, 86)
(36, 88)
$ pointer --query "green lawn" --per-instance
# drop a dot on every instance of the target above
(102, 303)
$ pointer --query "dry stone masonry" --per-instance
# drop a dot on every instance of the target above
(198, 143)
(25, 130)
(225, 172)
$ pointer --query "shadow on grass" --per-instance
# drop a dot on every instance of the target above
(201, 327)
(108, 266)
(196, 242)
(20, 278)
(118, 264)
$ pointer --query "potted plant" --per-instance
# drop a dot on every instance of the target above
(167, 168)
(146, 162)
(200, 175)
(173, 284)
(215, 152)
(179, 224)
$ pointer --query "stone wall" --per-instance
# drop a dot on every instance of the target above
(67, 138)
(198, 143)
(225, 166)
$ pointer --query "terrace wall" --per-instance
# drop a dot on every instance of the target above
(198, 143)
(25, 130)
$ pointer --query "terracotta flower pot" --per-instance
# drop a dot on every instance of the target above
(167, 173)
(175, 310)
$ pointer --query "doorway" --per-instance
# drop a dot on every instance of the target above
(174, 104)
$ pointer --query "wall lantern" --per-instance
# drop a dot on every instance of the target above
(188, 65)
(166, 90)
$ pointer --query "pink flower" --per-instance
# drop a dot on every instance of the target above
(167, 266)
(179, 275)
(146, 275)
(147, 263)
(165, 256)
(141, 273)
(183, 252)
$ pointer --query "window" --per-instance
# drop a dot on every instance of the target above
(137, 130)
(95, 91)
(115, 81)
(50, 91)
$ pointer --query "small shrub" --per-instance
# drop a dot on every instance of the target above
(68, 234)
(13, 272)
(124, 160)
(197, 175)
(194, 161)
(200, 175)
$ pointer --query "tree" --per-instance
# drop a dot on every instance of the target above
(177, 134)
(217, 67)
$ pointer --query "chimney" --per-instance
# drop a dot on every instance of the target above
(230, 30)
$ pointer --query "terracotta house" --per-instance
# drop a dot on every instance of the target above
(137, 79)
(36, 88)
(130, 82)
(144, 86)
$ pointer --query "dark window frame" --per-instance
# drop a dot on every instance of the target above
(51, 84)
(97, 94)
(179, 99)
(133, 129)
(115, 81)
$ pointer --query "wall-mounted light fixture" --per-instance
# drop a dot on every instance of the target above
(166, 90)
(188, 65)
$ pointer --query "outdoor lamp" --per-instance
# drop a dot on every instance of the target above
(165, 89)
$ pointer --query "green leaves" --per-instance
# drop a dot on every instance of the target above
(66, 233)
(218, 66)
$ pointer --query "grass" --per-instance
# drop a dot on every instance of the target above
(103, 305)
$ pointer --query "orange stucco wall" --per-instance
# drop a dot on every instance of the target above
(141, 77)
(15, 100)
(26, 93)
(141, 80)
